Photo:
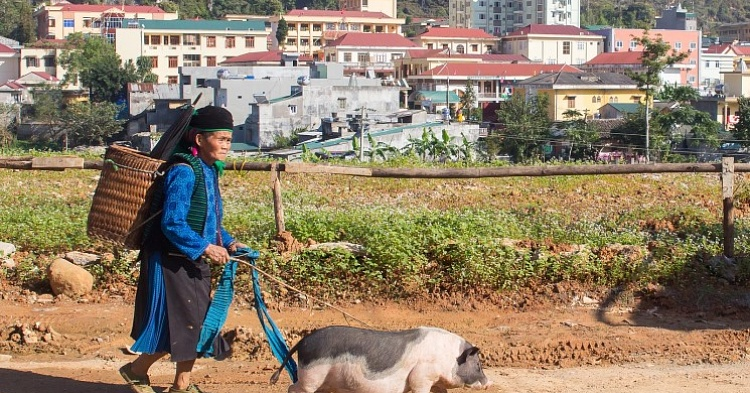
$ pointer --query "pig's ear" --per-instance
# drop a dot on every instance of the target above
(466, 353)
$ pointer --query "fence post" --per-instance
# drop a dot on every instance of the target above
(727, 191)
(278, 207)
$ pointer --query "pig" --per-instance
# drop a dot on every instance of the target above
(341, 359)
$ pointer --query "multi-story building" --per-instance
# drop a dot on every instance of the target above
(731, 32)
(171, 44)
(417, 61)
(676, 18)
(61, 19)
(363, 55)
(9, 63)
(687, 41)
(583, 92)
(716, 60)
(552, 44)
(500, 17)
(310, 30)
(457, 40)
(387, 7)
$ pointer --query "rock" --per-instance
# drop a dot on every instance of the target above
(45, 298)
(724, 267)
(5, 358)
(6, 249)
(355, 249)
(9, 263)
(81, 258)
(68, 279)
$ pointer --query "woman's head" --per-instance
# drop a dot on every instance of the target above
(210, 133)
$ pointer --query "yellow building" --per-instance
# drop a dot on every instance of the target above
(310, 30)
(583, 92)
(61, 19)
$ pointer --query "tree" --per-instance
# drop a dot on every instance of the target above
(48, 104)
(741, 129)
(525, 125)
(655, 58)
(681, 94)
(282, 30)
(91, 122)
(581, 135)
(140, 71)
(468, 100)
(17, 21)
(94, 62)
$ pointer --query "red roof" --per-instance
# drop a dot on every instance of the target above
(550, 30)
(334, 13)
(263, 57)
(13, 85)
(718, 48)
(386, 40)
(615, 58)
(741, 49)
(44, 75)
(499, 70)
(6, 49)
(140, 9)
(488, 57)
(455, 32)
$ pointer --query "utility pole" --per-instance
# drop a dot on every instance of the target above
(362, 110)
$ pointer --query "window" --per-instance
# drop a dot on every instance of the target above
(429, 46)
(717, 64)
(51, 22)
(618, 44)
(304, 42)
(49, 61)
(155, 40)
(693, 46)
(317, 27)
(474, 48)
(581, 45)
(363, 57)
(191, 60)
(571, 102)
(172, 80)
(445, 46)
(292, 27)
(708, 64)
(304, 27)
(292, 109)
(186, 80)
(172, 60)
(174, 40)
(396, 56)
(229, 42)
(316, 41)
(633, 44)
(210, 61)
(347, 57)
(342, 26)
(87, 22)
(593, 100)
(211, 41)
(249, 42)
(191, 39)
(342, 103)
(32, 62)
(291, 42)
(69, 23)
(379, 29)
(678, 45)
(459, 49)
(566, 47)
(330, 26)
(154, 62)
(691, 79)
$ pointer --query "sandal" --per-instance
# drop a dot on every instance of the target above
(192, 388)
(138, 384)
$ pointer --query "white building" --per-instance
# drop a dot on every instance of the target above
(171, 44)
(499, 17)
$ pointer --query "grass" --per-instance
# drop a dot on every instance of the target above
(421, 235)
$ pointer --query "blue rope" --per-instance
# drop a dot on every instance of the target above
(273, 335)
(217, 310)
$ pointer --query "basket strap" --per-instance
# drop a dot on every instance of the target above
(117, 167)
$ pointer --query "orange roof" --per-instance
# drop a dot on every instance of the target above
(392, 40)
(258, 57)
(615, 58)
(550, 30)
(455, 32)
(44, 76)
(141, 9)
(489, 57)
(499, 70)
(718, 48)
(334, 13)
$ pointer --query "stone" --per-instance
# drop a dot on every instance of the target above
(70, 280)
(5, 358)
(81, 258)
(6, 249)
(9, 263)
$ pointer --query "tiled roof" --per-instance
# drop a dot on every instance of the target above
(720, 48)
(580, 79)
(550, 30)
(140, 9)
(625, 107)
(12, 86)
(741, 49)
(6, 49)
(201, 24)
(258, 57)
(44, 75)
(381, 40)
(488, 57)
(499, 70)
(455, 32)
(342, 14)
(615, 58)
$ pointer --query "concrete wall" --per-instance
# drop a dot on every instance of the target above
(268, 121)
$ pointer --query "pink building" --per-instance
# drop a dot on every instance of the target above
(688, 41)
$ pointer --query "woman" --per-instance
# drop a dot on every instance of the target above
(175, 283)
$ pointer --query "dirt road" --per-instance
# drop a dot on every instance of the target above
(571, 346)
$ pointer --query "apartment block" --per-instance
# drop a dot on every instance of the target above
(188, 43)
(499, 17)
(457, 40)
(552, 44)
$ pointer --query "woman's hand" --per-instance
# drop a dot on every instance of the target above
(217, 254)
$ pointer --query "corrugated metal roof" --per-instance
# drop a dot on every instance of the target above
(204, 25)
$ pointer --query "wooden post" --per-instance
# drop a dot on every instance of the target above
(278, 207)
(727, 193)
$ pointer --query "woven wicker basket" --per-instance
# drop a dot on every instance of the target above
(122, 198)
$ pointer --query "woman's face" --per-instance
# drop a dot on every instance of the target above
(213, 146)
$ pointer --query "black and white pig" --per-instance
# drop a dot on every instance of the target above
(342, 359)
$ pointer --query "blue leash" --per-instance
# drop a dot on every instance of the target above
(217, 310)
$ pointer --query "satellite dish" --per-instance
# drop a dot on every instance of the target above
(303, 80)
(223, 73)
